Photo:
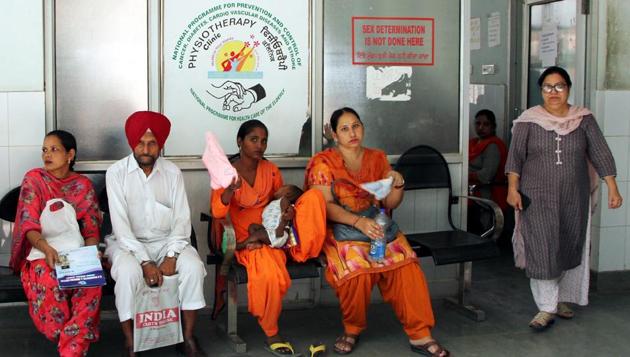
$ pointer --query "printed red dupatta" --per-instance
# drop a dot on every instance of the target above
(37, 188)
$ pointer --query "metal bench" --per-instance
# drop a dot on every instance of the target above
(229, 272)
(423, 167)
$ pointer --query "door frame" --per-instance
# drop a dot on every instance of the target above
(579, 81)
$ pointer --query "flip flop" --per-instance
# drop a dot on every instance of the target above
(274, 349)
(317, 350)
(424, 349)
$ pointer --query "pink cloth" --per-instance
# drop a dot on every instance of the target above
(221, 171)
(561, 125)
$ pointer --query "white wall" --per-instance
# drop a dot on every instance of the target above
(610, 95)
(22, 122)
(611, 228)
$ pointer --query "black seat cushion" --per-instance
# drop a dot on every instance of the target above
(308, 269)
(10, 287)
(9, 203)
(456, 246)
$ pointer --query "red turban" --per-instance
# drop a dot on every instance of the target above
(139, 122)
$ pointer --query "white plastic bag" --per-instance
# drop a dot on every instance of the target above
(157, 321)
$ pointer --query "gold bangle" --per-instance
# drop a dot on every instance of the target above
(37, 241)
(354, 225)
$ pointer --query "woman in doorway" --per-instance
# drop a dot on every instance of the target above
(57, 210)
(338, 174)
(244, 199)
(555, 158)
(486, 164)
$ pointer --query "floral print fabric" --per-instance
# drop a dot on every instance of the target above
(69, 317)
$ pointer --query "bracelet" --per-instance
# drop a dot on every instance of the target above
(37, 241)
(401, 185)
(147, 262)
(354, 225)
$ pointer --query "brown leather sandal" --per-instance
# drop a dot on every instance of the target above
(424, 349)
(348, 341)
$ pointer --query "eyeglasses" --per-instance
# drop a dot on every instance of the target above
(559, 87)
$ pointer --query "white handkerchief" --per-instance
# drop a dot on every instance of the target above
(380, 189)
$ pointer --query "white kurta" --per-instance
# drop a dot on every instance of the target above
(150, 217)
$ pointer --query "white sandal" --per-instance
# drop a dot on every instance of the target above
(542, 321)
(564, 311)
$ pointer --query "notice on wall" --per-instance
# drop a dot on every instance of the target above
(388, 84)
(549, 44)
(226, 62)
(494, 29)
(475, 33)
(393, 41)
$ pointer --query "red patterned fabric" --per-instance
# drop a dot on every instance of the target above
(38, 187)
(69, 317)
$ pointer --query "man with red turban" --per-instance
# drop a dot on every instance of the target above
(151, 225)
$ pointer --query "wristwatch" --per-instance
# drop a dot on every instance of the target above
(172, 254)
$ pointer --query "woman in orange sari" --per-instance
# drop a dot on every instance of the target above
(244, 200)
(337, 173)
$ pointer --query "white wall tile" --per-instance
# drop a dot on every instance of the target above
(22, 159)
(22, 44)
(404, 214)
(5, 242)
(26, 118)
(599, 109)
(612, 249)
(595, 242)
(619, 147)
(613, 217)
(4, 120)
(4, 171)
(617, 121)
(425, 211)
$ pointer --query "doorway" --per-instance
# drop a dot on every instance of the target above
(553, 34)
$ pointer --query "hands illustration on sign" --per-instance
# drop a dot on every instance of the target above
(235, 96)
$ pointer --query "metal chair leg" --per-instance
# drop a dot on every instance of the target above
(232, 318)
(459, 302)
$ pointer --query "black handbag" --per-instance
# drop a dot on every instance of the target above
(344, 232)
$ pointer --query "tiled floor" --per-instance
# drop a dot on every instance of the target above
(601, 329)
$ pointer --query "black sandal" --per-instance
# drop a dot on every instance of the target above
(345, 339)
(424, 349)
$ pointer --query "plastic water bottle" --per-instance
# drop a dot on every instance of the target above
(377, 246)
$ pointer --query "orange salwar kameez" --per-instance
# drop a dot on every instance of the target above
(350, 271)
(268, 279)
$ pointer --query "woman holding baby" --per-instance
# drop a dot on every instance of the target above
(244, 200)
(338, 174)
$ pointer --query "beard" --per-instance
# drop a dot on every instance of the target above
(145, 160)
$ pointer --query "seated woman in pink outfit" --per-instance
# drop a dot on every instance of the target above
(57, 210)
